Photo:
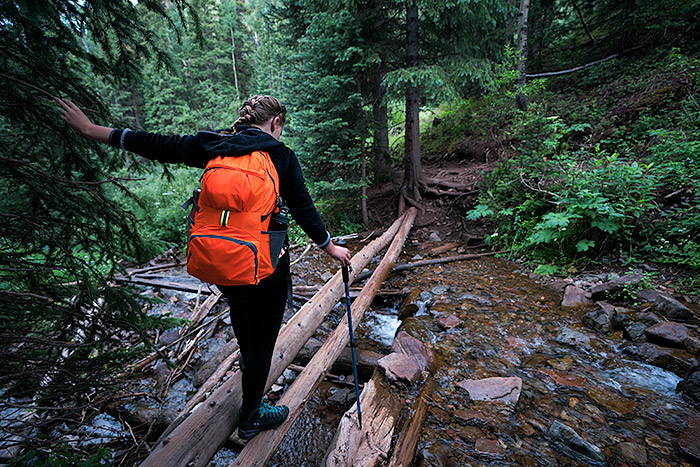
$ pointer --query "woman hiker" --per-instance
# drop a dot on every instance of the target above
(256, 310)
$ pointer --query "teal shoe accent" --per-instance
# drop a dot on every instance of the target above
(265, 417)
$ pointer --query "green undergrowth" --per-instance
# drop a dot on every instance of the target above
(603, 162)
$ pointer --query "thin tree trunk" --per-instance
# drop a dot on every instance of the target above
(381, 125)
(363, 190)
(521, 98)
(412, 163)
(583, 22)
(233, 63)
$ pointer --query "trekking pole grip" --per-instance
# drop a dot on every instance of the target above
(346, 272)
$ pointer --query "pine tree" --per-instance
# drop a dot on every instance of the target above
(62, 322)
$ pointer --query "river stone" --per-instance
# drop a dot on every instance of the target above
(647, 295)
(649, 318)
(601, 319)
(210, 366)
(575, 297)
(672, 308)
(689, 441)
(565, 440)
(399, 367)
(635, 331)
(692, 345)
(409, 345)
(619, 405)
(568, 336)
(505, 390)
(632, 452)
(409, 307)
(490, 448)
(677, 361)
(599, 291)
(691, 386)
(448, 322)
(564, 379)
(668, 333)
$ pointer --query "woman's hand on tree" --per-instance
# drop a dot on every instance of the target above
(76, 119)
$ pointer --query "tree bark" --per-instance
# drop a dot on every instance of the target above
(521, 98)
(413, 171)
(381, 125)
(405, 448)
(262, 447)
(194, 437)
(370, 445)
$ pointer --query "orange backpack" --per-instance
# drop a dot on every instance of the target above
(230, 241)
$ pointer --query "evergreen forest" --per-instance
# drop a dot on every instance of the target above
(583, 117)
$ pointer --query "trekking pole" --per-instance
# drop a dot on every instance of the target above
(346, 280)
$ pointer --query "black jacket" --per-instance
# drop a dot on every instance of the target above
(197, 150)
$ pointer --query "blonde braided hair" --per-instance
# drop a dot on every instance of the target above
(258, 110)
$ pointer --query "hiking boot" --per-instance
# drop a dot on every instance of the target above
(265, 417)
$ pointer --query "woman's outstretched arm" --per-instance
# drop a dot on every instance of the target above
(76, 119)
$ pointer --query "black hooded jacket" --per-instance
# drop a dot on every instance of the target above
(197, 150)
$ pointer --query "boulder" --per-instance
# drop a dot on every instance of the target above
(672, 308)
(689, 441)
(635, 331)
(409, 345)
(568, 336)
(668, 333)
(599, 291)
(506, 390)
(677, 361)
(409, 307)
(399, 367)
(601, 319)
(692, 345)
(565, 440)
(691, 386)
(575, 297)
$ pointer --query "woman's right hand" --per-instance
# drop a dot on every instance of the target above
(76, 119)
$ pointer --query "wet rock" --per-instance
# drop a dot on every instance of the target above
(692, 345)
(409, 307)
(490, 448)
(575, 297)
(505, 390)
(399, 367)
(601, 319)
(448, 322)
(568, 336)
(409, 345)
(689, 441)
(565, 379)
(691, 386)
(103, 429)
(677, 361)
(649, 318)
(632, 452)
(419, 327)
(476, 298)
(209, 367)
(669, 333)
(326, 276)
(565, 440)
(470, 417)
(619, 405)
(635, 331)
(339, 398)
(672, 308)
(600, 290)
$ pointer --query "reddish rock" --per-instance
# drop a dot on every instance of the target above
(489, 448)
(565, 379)
(400, 367)
(505, 390)
(668, 333)
(605, 398)
(689, 441)
(575, 297)
(409, 345)
(470, 417)
(448, 322)
(672, 308)
(600, 290)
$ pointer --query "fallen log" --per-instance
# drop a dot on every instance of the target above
(258, 450)
(195, 436)
(370, 445)
(405, 448)
(428, 262)
(366, 359)
(191, 287)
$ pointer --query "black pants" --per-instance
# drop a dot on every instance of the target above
(256, 317)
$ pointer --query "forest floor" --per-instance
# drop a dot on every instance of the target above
(442, 218)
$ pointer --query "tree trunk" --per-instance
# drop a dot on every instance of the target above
(233, 63)
(405, 448)
(194, 437)
(263, 446)
(521, 98)
(370, 445)
(413, 171)
(381, 125)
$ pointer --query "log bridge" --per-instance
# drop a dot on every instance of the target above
(209, 418)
